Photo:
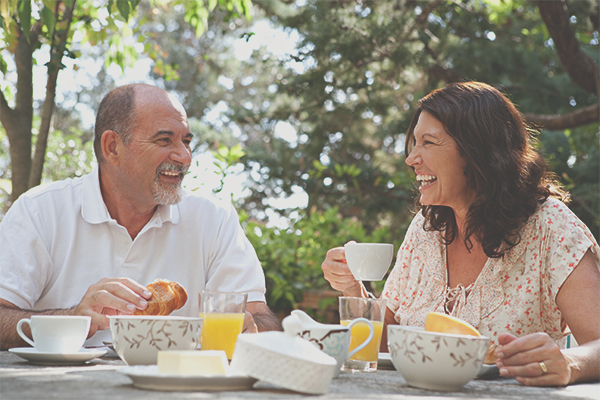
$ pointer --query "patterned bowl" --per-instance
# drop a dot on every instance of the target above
(138, 338)
(433, 360)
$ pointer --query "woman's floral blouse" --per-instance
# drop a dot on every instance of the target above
(514, 294)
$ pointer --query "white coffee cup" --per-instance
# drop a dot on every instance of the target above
(369, 261)
(63, 334)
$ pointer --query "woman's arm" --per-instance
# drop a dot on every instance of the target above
(388, 320)
(579, 302)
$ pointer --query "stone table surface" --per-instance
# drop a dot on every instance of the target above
(99, 379)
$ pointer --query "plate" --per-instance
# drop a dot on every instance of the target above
(147, 377)
(385, 362)
(488, 371)
(41, 358)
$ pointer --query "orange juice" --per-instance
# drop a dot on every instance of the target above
(358, 334)
(220, 331)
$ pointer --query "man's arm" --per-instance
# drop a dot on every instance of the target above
(264, 318)
(10, 315)
(107, 297)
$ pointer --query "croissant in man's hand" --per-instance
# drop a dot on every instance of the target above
(166, 297)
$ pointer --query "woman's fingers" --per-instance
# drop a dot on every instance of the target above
(336, 271)
(533, 359)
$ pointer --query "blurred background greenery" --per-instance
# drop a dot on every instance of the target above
(344, 88)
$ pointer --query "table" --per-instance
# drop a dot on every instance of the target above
(98, 379)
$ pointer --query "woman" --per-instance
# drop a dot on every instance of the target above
(493, 243)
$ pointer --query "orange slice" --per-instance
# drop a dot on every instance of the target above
(438, 322)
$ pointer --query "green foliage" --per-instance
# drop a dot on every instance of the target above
(292, 257)
(226, 158)
(68, 155)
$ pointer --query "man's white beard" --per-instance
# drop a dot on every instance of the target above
(167, 194)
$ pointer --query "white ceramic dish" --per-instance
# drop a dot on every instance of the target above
(434, 360)
(284, 360)
(147, 377)
(36, 357)
(137, 339)
(488, 371)
(384, 362)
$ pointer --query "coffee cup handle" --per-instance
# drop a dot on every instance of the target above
(367, 341)
(20, 330)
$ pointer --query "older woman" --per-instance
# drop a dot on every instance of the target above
(493, 243)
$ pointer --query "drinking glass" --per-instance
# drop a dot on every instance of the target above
(223, 320)
(351, 308)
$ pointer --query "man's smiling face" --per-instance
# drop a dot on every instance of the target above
(158, 155)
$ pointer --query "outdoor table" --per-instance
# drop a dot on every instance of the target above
(98, 379)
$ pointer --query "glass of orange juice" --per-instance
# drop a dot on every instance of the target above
(223, 320)
(351, 308)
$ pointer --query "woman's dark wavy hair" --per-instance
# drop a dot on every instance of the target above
(508, 175)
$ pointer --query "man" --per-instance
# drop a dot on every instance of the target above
(88, 246)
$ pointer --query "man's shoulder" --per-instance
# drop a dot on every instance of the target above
(62, 189)
(205, 203)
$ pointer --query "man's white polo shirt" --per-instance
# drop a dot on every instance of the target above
(58, 239)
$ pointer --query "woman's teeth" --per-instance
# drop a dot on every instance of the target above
(426, 179)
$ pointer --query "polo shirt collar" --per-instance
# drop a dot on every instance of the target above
(94, 211)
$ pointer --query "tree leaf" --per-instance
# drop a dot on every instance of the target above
(48, 18)
(124, 8)
(24, 13)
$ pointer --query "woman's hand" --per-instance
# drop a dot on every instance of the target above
(534, 360)
(336, 271)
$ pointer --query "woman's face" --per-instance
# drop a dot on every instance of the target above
(438, 166)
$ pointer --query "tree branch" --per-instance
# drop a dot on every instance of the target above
(583, 116)
(580, 66)
(7, 115)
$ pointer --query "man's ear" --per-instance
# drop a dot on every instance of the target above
(111, 145)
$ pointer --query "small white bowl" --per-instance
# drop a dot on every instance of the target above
(138, 338)
(433, 360)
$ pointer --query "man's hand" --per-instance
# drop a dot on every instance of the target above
(111, 296)
(261, 318)
(249, 324)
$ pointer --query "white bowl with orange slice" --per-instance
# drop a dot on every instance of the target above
(444, 355)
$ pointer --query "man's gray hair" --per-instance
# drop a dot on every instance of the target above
(116, 113)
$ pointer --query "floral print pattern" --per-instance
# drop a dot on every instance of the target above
(514, 294)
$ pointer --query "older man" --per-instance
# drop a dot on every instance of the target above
(87, 246)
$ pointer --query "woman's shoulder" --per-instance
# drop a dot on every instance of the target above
(554, 213)
(554, 219)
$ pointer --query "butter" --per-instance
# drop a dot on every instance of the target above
(192, 362)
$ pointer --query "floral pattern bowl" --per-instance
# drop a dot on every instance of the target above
(433, 360)
(138, 338)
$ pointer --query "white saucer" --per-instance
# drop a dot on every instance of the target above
(147, 377)
(37, 357)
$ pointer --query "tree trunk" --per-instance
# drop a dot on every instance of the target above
(59, 40)
(581, 68)
(18, 128)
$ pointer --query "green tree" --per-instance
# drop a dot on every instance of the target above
(28, 26)
(351, 85)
